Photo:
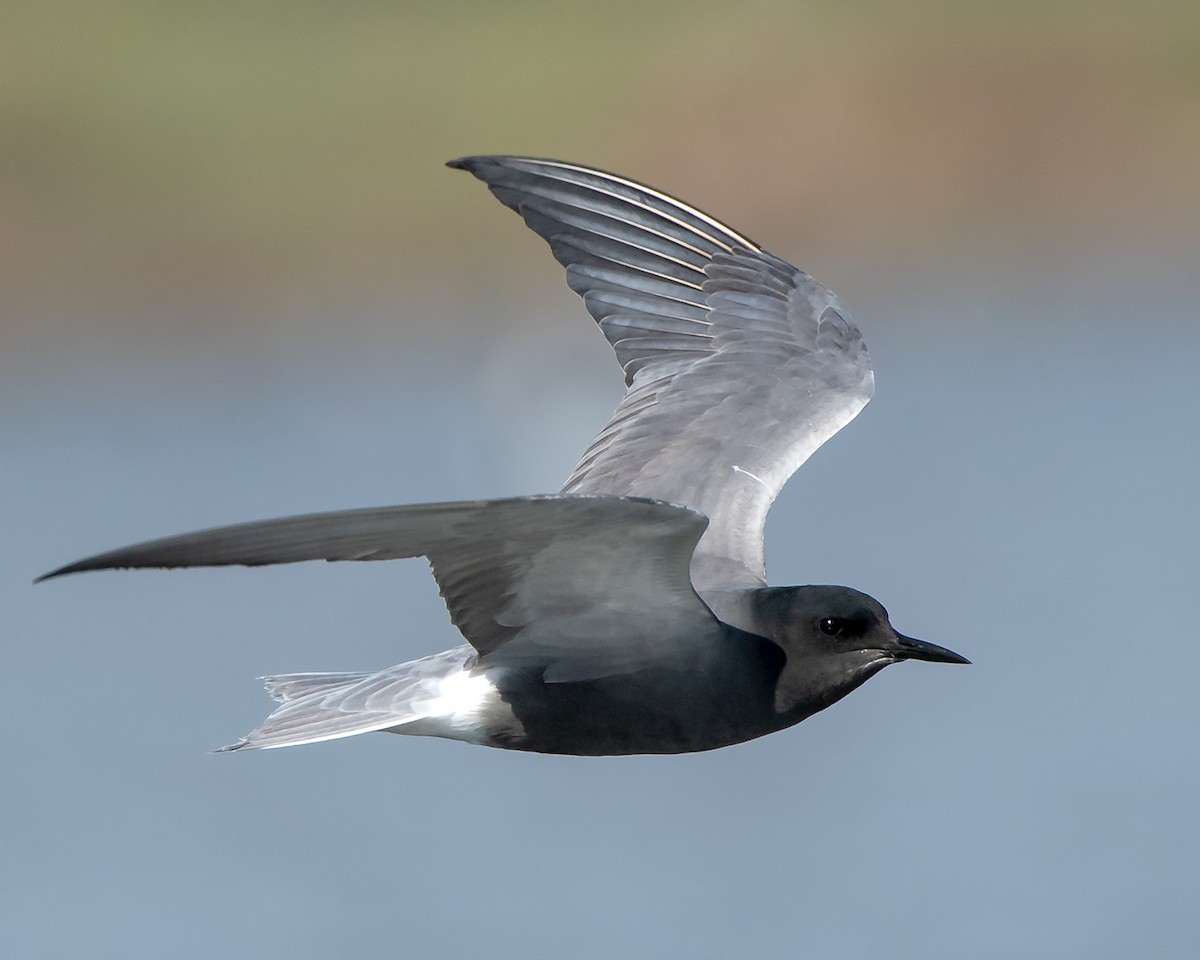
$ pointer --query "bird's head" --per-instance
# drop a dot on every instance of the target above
(834, 639)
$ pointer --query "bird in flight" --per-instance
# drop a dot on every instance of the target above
(628, 613)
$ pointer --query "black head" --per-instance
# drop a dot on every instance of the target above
(834, 638)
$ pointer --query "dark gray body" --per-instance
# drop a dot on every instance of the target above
(725, 698)
(732, 687)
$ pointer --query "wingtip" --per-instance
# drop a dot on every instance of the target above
(468, 163)
(476, 162)
(82, 566)
(61, 571)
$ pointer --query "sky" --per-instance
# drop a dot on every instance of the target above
(182, 351)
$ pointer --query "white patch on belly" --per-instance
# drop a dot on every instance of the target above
(461, 697)
(452, 707)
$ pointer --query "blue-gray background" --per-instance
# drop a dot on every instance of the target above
(1022, 489)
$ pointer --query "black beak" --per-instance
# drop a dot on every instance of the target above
(906, 648)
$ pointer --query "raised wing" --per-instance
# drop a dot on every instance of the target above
(586, 586)
(737, 364)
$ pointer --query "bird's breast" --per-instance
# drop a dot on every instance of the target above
(654, 711)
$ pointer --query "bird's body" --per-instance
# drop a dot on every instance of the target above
(731, 686)
(731, 678)
(651, 711)
(629, 613)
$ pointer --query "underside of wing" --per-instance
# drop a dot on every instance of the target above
(583, 585)
(737, 364)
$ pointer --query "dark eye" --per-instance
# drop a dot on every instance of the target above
(832, 626)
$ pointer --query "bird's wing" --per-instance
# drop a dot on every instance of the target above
(737, 364)
(587, 586)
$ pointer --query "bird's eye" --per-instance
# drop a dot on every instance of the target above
(832, 626)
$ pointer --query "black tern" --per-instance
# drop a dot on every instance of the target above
(629, 613)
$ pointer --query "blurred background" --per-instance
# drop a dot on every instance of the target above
(239, 283)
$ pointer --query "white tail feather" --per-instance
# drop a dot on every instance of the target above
(292, 686)
(328, 706)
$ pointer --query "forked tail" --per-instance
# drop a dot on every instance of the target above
(309, 711)
(326, 706)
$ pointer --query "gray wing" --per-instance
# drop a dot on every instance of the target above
(737, 364)
(587, 586)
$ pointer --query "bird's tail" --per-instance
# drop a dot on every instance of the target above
(292, 686)
(326, 706)
(313, 707)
